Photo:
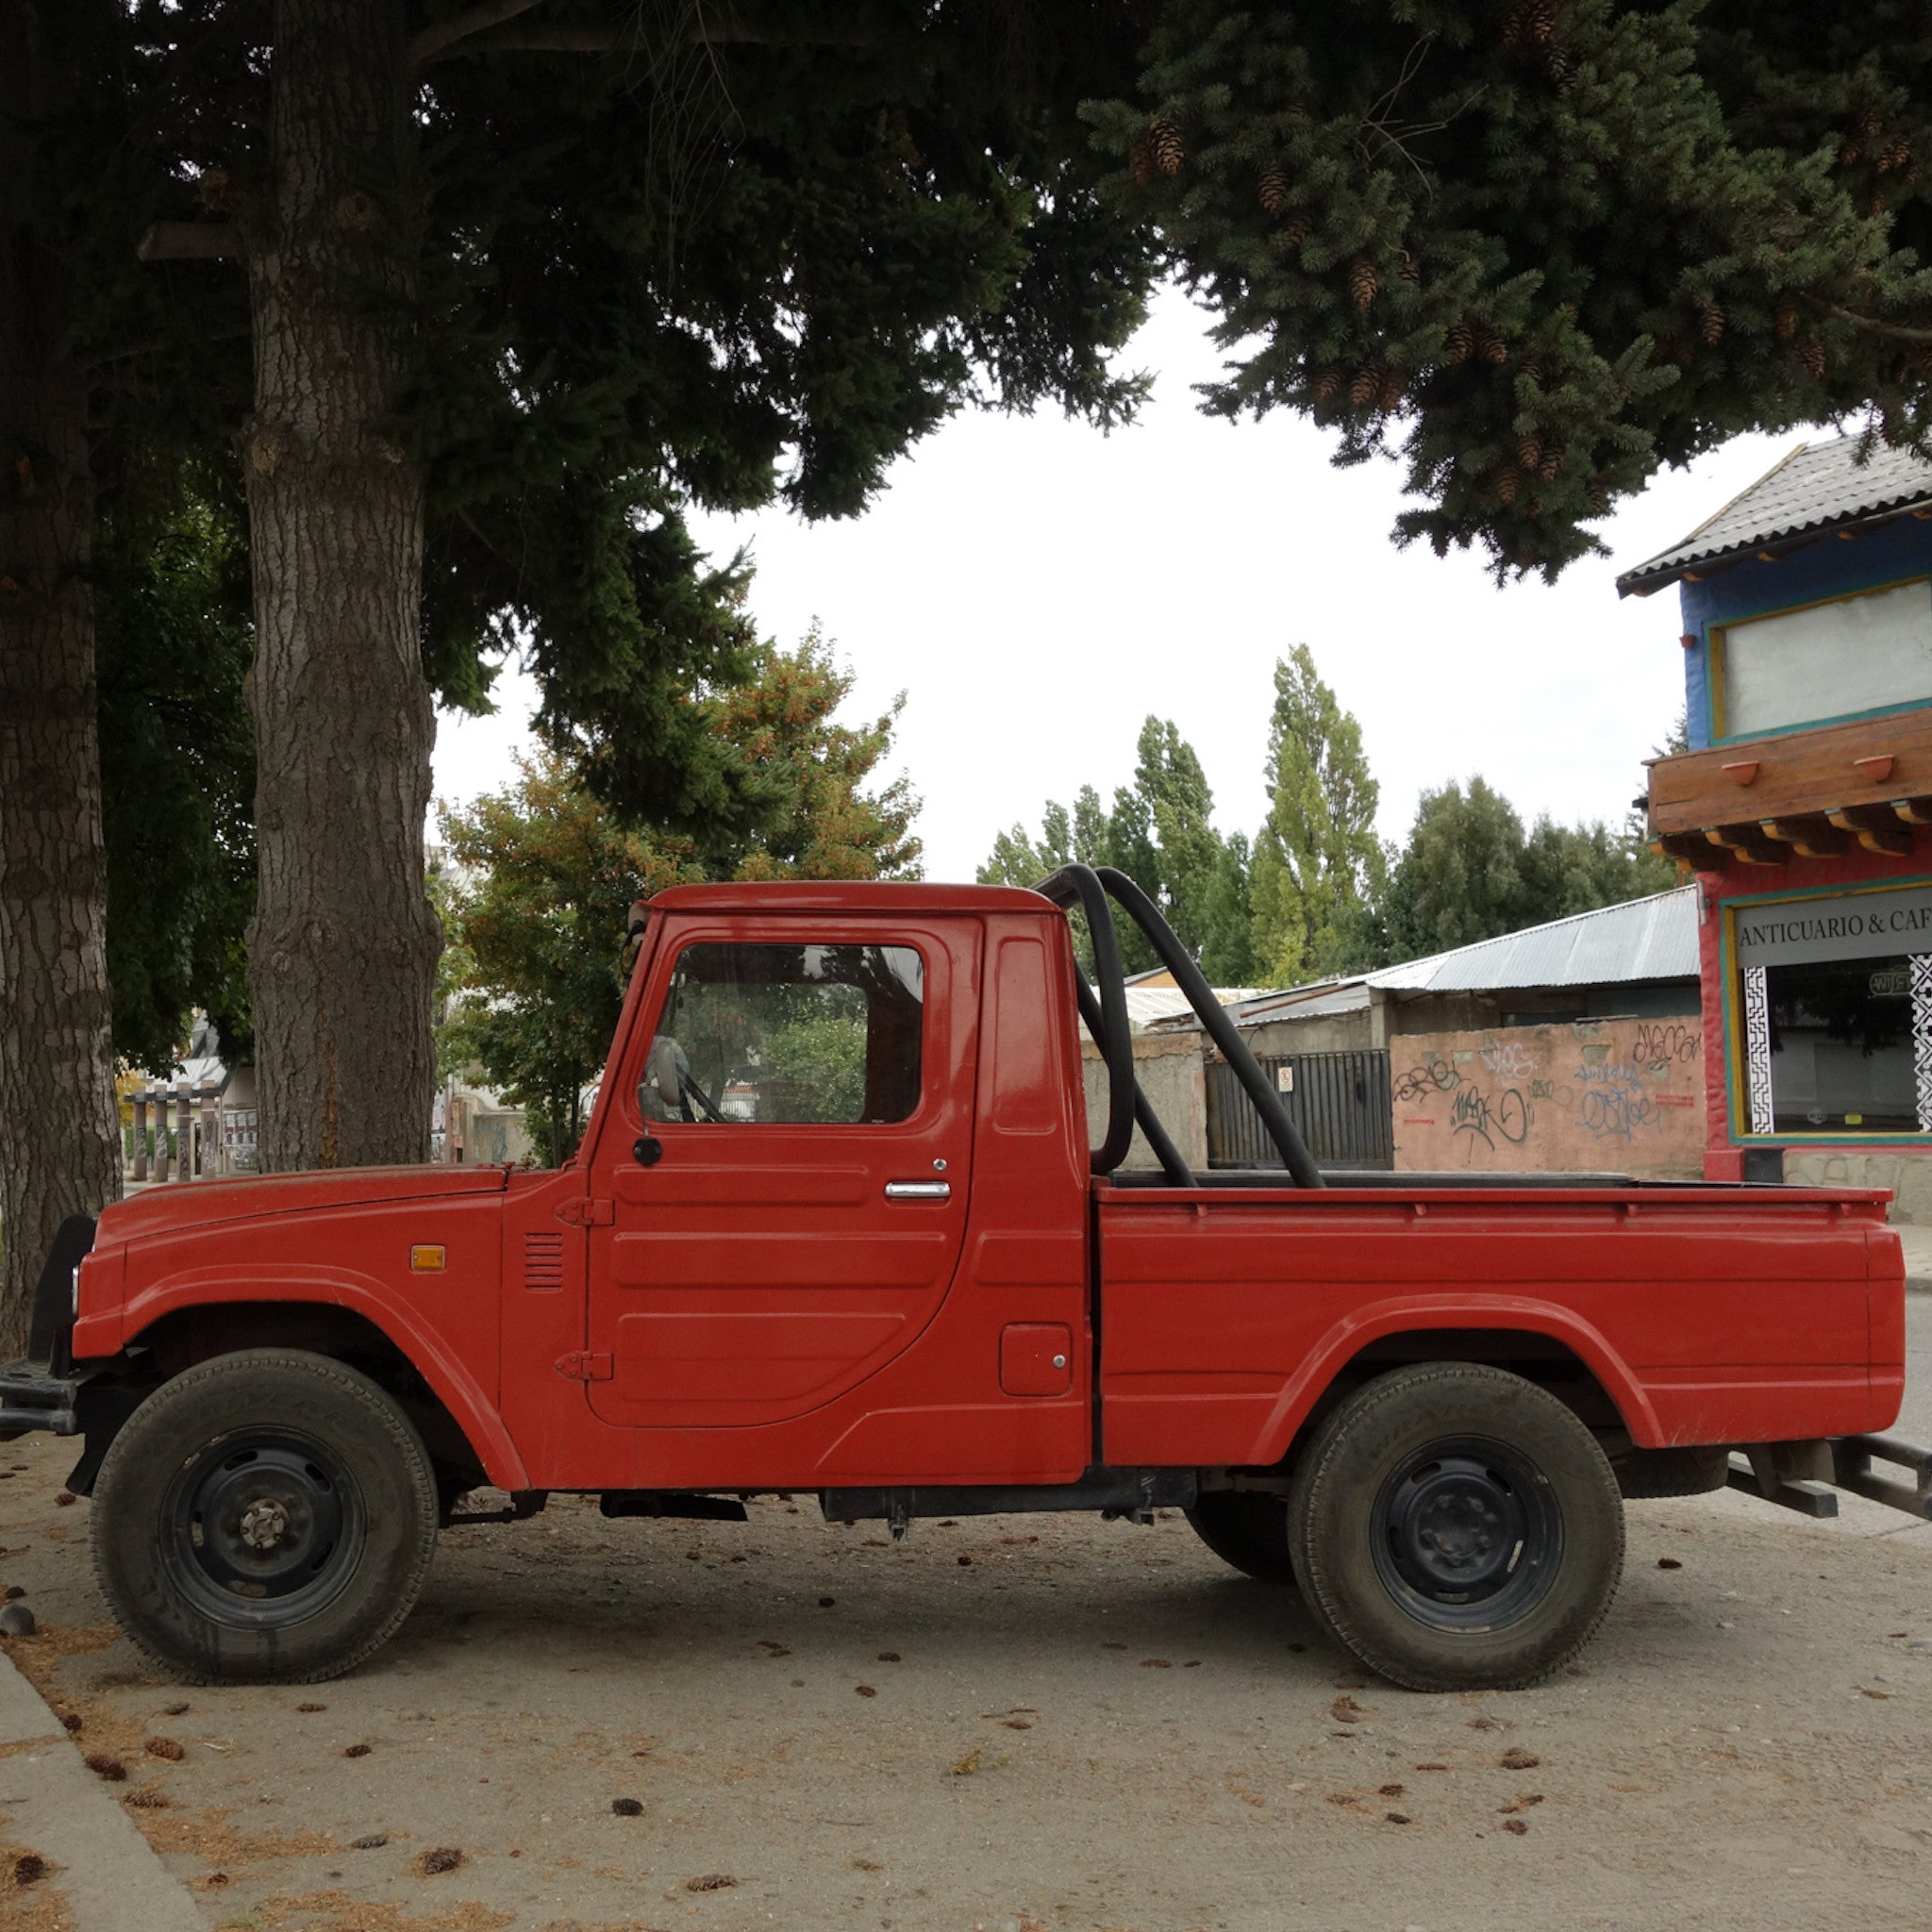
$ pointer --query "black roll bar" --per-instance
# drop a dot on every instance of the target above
(1093, 887)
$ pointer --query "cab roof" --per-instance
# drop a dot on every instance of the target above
(855, 895)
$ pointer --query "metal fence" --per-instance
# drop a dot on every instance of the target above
(1340, 1100)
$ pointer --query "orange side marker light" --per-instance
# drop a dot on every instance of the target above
(426, 1260)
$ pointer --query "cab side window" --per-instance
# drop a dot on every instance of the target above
(788, 1034)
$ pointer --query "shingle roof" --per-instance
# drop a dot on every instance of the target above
(1819, 487)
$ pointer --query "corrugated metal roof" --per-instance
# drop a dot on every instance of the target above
(1819, 487)
(1643, 940)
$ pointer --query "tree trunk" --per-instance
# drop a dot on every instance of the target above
(59, 1143)
(342, 952)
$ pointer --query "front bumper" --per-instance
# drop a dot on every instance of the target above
(38, 1393)
(32, 1400)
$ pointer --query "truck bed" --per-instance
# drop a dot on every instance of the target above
(1698, 1314)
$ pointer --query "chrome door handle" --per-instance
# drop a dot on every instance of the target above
(919, 1190)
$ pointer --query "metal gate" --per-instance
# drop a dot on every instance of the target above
(1340, 1100)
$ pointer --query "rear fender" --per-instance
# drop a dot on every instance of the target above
(1380, 1321)
(419, 1344)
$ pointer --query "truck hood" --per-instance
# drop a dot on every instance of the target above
(169, 1207)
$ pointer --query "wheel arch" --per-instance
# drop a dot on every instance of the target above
(1546, 1344)
(454, 1415)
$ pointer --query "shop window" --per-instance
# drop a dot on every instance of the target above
(1836, 1044)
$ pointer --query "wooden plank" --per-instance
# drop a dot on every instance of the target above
(1747, 842)
(1877, 828)
(1812, 838)
(1800, 773)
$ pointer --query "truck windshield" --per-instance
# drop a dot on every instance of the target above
(827, 1033)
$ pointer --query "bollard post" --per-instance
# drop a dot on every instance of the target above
(163, 1160)
(184, 1134)
(210, 1139)
(139, 1102)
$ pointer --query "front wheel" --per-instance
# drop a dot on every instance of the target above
(1457, 1528)
(267, 1516)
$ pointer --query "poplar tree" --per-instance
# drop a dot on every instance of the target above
(1317, 860)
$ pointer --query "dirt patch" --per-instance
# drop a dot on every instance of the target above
(38, 1906)
(208, 1837)
(336, 1911)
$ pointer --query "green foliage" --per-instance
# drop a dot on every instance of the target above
(540, 877)
(1543, 247)
(1470, 873)
(1158, 832)
(1317, 860)
(172, 642)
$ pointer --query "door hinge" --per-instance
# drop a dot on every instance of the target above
(584, 1213)
(585, 1365)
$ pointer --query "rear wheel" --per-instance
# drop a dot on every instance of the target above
(1247, 1528)
(265, 1516)
(1457, 1528)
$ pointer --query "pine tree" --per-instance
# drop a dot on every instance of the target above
(1317, 854)
(1619, 234)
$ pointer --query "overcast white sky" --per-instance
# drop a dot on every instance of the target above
(1037, 588)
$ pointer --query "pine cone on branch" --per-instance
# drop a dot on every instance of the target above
(1410, 270)
(1529, 454)
(1507, 484)
(1363, 286)
(1531, 24)
(1561, 64)
(1328, 383)
(1895, 157)
(1392, 390)
(1165, 141)
(1493, 349)
(1552, 465)
(1298, 230)
(1274, 188)
(1811, 354)
(1140, 161)
(1460, 342)
(1784, 321)
(1366, 387)
(1710, 323)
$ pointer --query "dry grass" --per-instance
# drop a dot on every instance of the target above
(208, 1837)
(336, 1911)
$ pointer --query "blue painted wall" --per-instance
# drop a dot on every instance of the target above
(1826, 568)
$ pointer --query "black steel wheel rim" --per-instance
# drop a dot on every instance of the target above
(263, 1528)
(1467, 1535)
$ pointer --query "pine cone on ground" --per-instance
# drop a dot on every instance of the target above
(1273, 187)
(1169, 150)
(1460, 342)
(1710, 323)
(1363, 286)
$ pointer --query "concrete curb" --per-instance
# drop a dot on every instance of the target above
(51, 1803)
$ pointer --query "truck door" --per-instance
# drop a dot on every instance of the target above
(808, 1084)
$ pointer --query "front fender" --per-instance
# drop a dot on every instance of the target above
(1410, 1314)
(415, 1340)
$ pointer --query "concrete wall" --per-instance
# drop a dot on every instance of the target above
(1172, 1073)
(1616, 1095)
(1905, 1171)
(1354, 1032)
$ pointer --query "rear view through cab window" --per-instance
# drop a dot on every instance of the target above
(789, 1034)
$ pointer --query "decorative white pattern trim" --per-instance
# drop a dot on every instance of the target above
(1757, 1050)
(1922, 1036)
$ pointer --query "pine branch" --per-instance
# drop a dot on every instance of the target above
(1870, 325)
(190, 241)
(436, 39)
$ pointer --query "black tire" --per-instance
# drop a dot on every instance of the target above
(1457, 1528)
(1247, 1528)
(267, 1516)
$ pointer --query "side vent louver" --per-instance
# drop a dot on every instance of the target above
(543, 1261)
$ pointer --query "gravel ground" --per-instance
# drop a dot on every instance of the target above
(1038, 1724)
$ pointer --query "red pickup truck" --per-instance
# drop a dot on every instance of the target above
(836, 1226)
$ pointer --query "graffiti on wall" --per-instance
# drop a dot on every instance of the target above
(1626, 1094)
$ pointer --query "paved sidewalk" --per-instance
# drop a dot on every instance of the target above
(1918, 1246)
(52, 1803)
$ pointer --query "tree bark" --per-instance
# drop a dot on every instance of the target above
(342, 952)
(59, 1143)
